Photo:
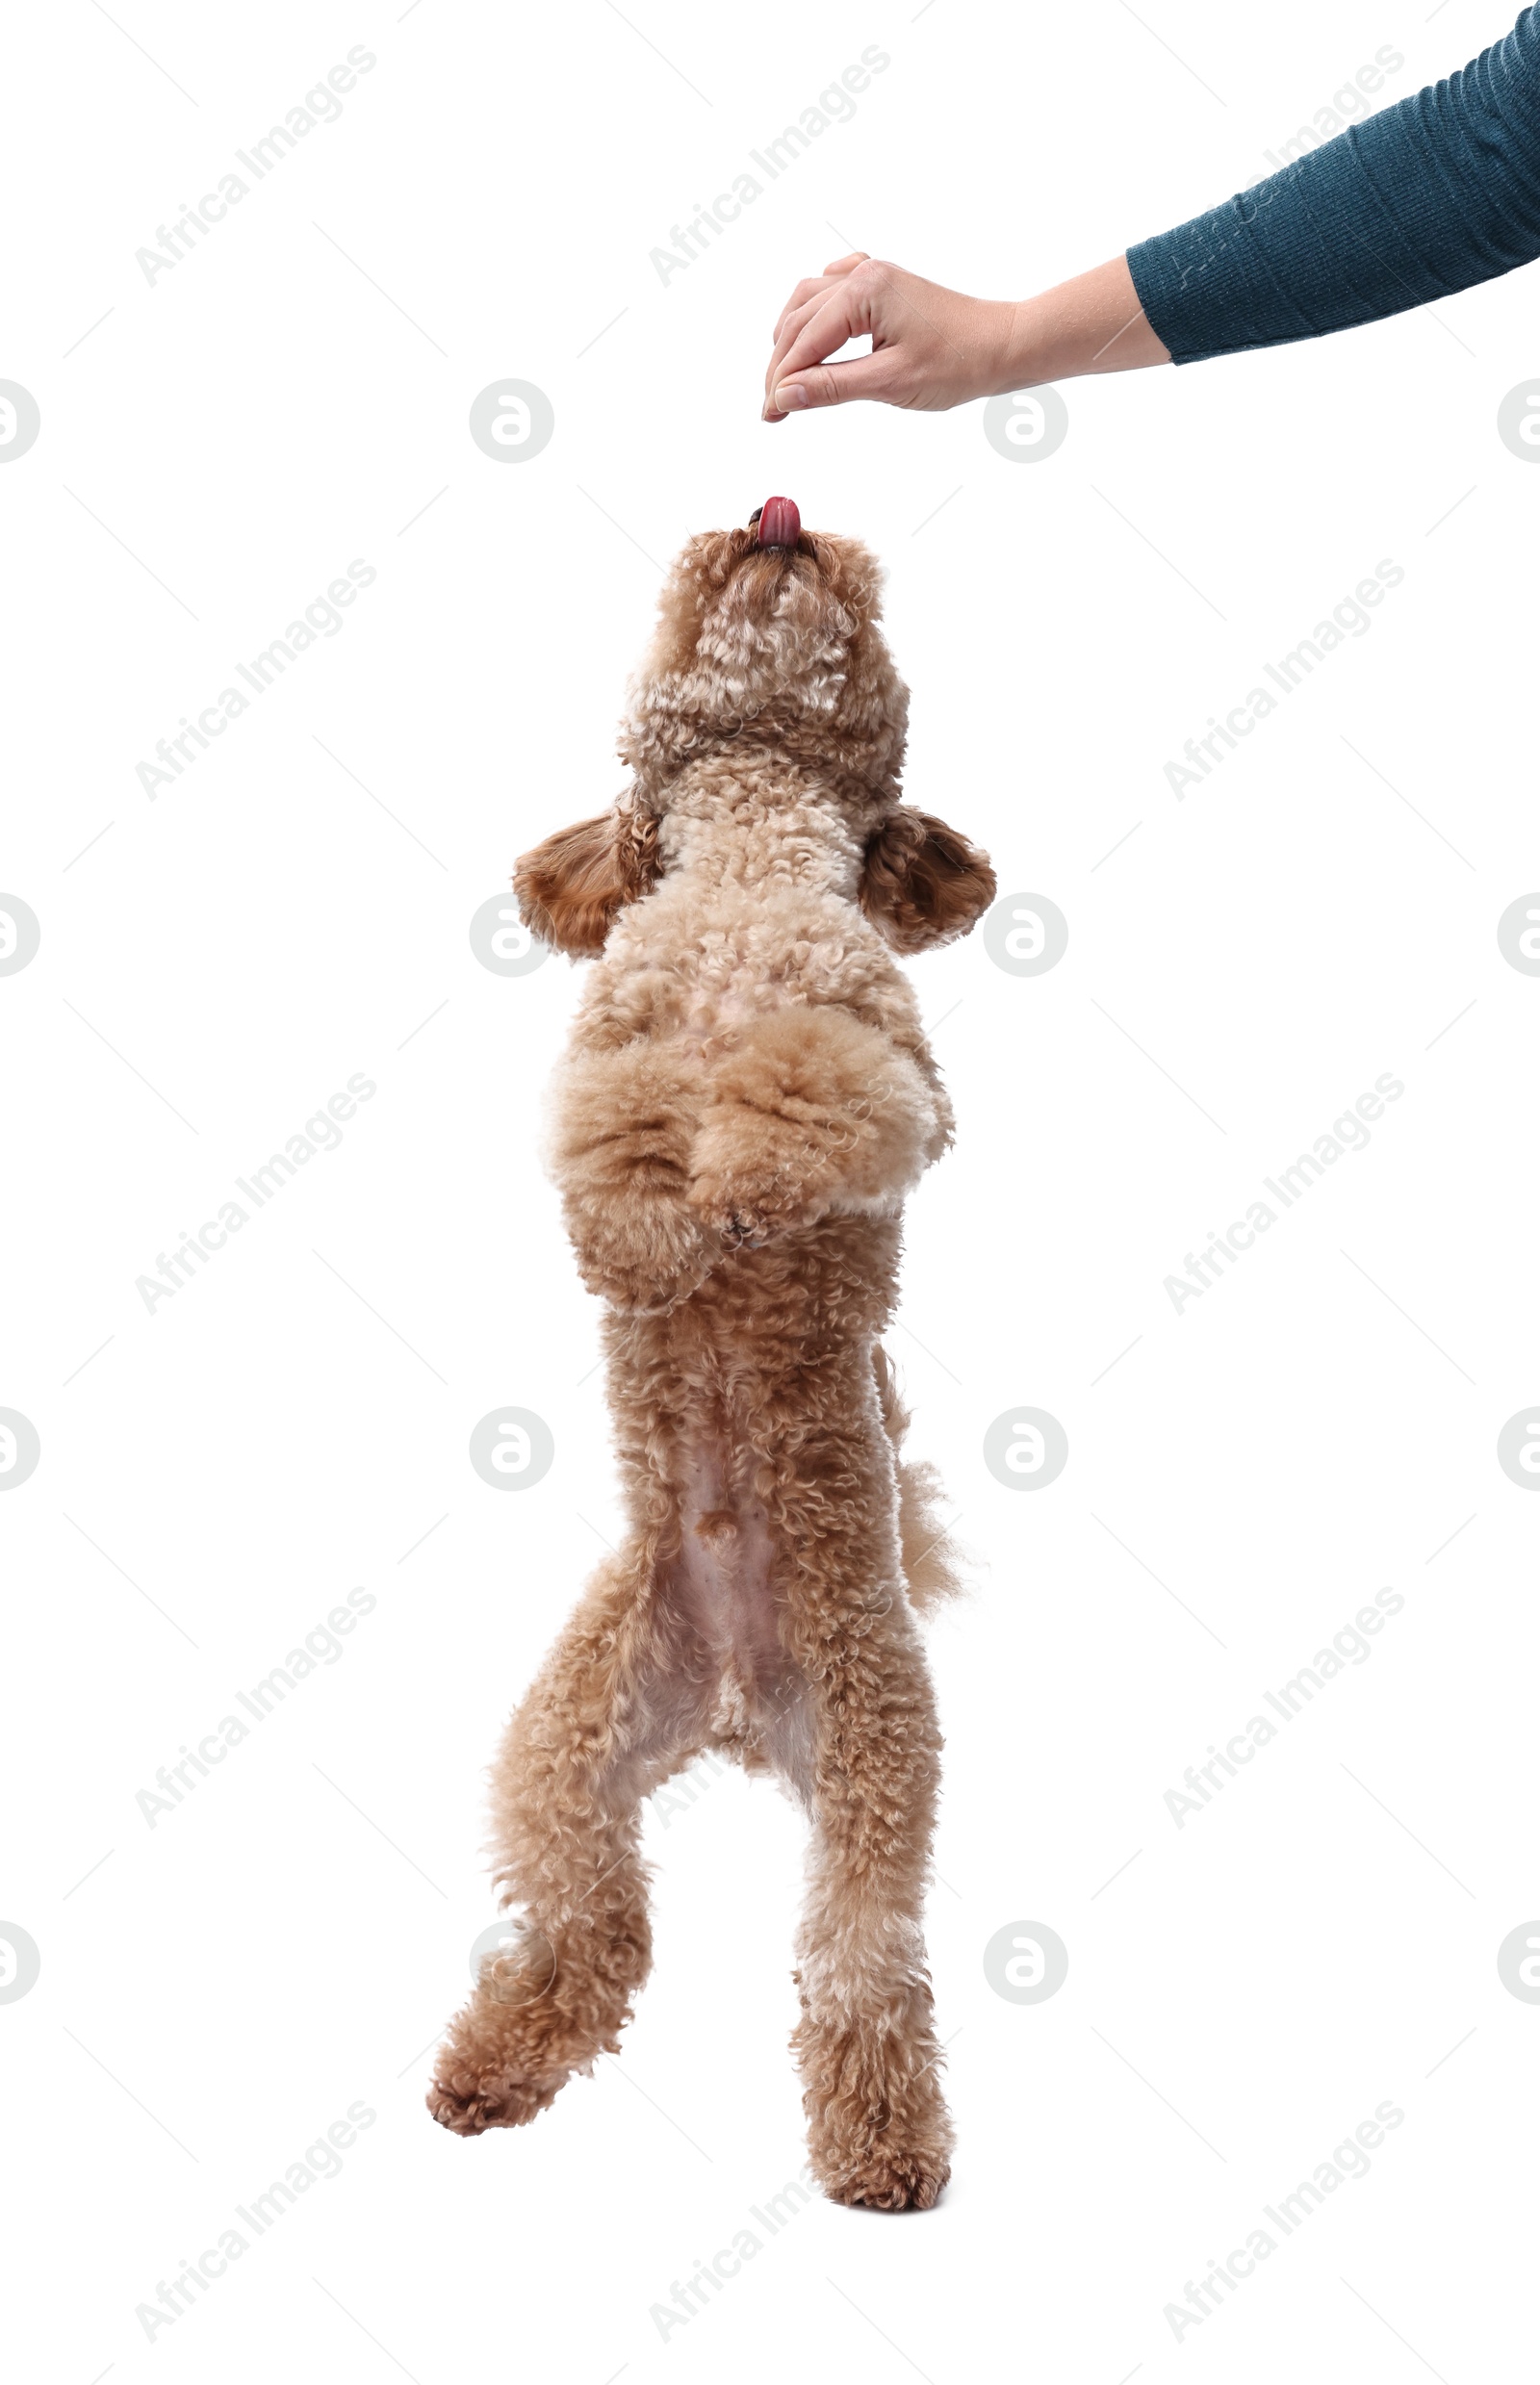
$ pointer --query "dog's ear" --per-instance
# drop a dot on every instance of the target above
(921, 882)
(572, 887)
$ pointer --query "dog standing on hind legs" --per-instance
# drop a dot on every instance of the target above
(746, 1098)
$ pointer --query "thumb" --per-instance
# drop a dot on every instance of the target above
(835, 385)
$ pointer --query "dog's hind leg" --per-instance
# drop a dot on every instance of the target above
(878, 2128)
(616, 1708)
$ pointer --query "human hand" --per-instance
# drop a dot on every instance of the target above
(931, 348)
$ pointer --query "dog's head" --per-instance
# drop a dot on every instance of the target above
(767, 634)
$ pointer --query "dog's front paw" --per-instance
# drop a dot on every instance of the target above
(643, 1256)
(744, 1214)
(745, 1229)
(736, 1221)
(642, 1287)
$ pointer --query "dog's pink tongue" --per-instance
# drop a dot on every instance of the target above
(779, 523)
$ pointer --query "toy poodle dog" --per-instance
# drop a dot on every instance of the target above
(745, 1100)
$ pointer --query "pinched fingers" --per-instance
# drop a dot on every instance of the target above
(814, 286)
(931, 347)
(844, 313)
(805, 294)
(881, 377)
(816, 330)
(793, 322)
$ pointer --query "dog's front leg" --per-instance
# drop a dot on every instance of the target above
(811, 1111)
(622, 1132)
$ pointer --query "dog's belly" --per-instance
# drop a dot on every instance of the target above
(720, 1590)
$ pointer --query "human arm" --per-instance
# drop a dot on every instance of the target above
(1425, 198)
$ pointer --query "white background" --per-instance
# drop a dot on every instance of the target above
(215, 450)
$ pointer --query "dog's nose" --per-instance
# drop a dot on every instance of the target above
(779, 523)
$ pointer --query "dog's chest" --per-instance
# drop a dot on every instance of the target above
(714, 1012)
(703, 972)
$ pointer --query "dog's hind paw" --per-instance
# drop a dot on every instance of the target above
(886, 2181)
(468, 2105)
(878, 2129)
